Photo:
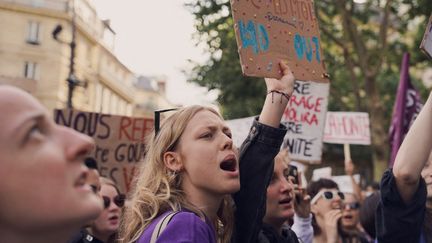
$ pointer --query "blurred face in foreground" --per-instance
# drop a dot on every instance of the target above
(42, 175)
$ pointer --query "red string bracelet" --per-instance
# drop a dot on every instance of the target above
(287, 96)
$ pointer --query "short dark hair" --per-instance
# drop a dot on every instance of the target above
(315, 186)
(312, 189)
(91, 163)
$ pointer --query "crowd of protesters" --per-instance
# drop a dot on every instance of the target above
(196, 186)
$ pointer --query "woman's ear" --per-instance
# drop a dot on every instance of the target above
(172, 161)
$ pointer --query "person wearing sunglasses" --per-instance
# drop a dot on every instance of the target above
(44, 194)
(192, 168)
(104, 228)
(326, 207)
(351, 230)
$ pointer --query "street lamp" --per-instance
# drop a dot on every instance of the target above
(71, 79)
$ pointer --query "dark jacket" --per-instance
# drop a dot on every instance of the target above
(268, 234)
(397, 221)
(84, 237)
(256, 169)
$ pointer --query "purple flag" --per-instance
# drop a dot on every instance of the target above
(406, 108)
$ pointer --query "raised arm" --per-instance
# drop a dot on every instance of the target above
(414, 153)
(278, 93)
(256, 156)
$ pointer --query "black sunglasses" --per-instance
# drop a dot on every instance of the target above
(118, 200)
(353, 205)
(157, 118)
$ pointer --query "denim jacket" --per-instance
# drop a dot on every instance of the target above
(256, 169)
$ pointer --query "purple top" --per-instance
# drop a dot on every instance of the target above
(184, 227)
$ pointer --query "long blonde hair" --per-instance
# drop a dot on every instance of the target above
(158, 190)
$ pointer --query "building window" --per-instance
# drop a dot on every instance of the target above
(33, 36)
(30, 70)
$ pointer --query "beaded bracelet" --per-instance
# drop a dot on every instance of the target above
(287, 96)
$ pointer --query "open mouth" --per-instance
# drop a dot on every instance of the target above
(113, 217)
(348, 217)
(229, 164)
(285, 201)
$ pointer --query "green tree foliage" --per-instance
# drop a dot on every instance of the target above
(240, 96)
(363, 45)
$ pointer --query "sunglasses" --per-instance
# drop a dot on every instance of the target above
(352, 206)
(328, 195)
(118, 200)
(157, 119)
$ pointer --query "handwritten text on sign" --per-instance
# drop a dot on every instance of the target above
(268, 31)
(119, 141)
(347, 127)
(305, 118)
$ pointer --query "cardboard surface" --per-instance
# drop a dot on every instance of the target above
(426, 44)
(119, 141)
(268, 31)
(347, 128)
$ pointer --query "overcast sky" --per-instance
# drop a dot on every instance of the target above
(155, 38)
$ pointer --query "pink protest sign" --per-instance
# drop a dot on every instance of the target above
(268, 31)
(347, 128)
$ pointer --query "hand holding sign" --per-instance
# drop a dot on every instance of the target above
(267, 31)
(285, 84)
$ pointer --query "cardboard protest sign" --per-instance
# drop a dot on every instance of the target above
(305, 119)
(426, 44)
(347, 128)
(268, 31)
(119, 141)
